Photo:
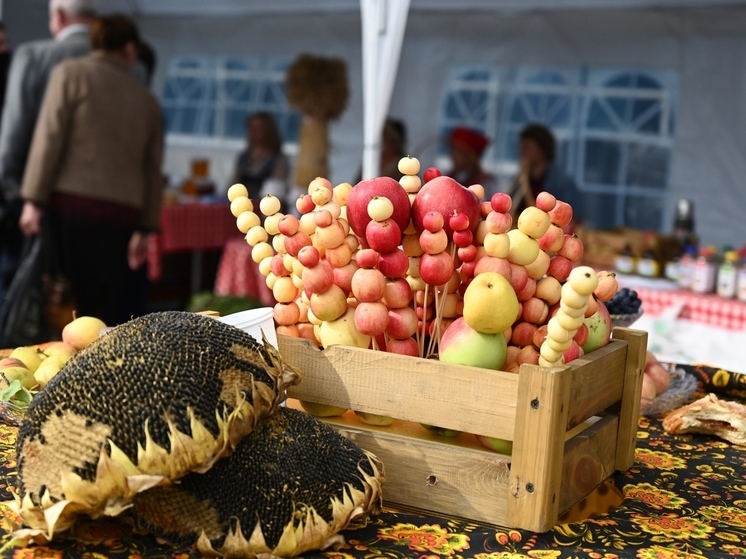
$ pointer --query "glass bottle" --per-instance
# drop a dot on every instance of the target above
(686, 263)
(703, 271)
(727, 281)
(625, 261)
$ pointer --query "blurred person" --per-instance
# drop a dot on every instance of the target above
(467, 147)
(69, 22)
(262, 167)
(539, 172)
(94, 168)
(5, 54)
(393, 148)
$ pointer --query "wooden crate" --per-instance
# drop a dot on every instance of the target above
(571, 426)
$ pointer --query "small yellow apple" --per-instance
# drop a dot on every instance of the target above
(17, 372)
(30, 356)
(342, 331)
(59, 349)
(48, 369)
(82, 331)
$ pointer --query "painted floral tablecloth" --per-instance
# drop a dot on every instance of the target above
(685, 497)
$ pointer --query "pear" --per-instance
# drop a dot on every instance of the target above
(48, 369)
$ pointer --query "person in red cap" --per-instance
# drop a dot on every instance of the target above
(467, 148)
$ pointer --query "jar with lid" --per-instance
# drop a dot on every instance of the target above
(686, 267)
(625, 261)
(727, 281)
(647, 265)
(704, 271)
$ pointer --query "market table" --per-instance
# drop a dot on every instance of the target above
(238, 275)
(193, 226)
(685, 497)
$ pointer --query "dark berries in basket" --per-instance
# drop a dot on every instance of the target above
(625, 301)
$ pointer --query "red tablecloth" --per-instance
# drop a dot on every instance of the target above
(239, 275)
(192, 226)
(706, 308)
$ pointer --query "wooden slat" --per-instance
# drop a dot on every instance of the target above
(637, 343)
(597, 382)
(588, 461)
(536, 472)
(437, 476)
(457, 397)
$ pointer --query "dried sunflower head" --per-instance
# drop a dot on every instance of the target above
(149, 402)
(290, 487)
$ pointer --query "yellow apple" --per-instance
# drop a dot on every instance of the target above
(342, 331)
(490, 303)
(82, 331)
(48, 369)
(10, 371)
(30, 356)
(59, 349)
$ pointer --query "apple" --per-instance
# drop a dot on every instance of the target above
(552, 240)
(559, 268)
(295, 242)
(533, 222)
(319, 278)
(497, 245)
(572, 248)
(445, 196)
(383, 236)
(545, 201)
(433, 221)
(498, 222)
(436, 269)
(599, 329)
(411, 245)
(368, 284)
(397, 294)
(572, 353)
(441, 431)
(32, 357)
(463, 345)
(342, 331)
(343, 276)
(304, 204)
(518, 277)
(371, 318)
(607, 286)
(523, 249)
(581, 336)
(500, 446)
(528, 291)
(393, 264)
(523, 334)
(48, 369)
(286, 314)
(433, 242)
(59, 349)
(321, 410)
(497, 265)
(365, 191)
(431, 173)
(367, 258)
(330, 304)
(528, 354)
(549, 289)
(13, 369)
(308, 256)
(539, 267)
(649, 391)
(406, 346)
(338, 256)
(484, 209)
(463, 238)
(561, 214)
(535, 311)
(501, 202)
(539, 335)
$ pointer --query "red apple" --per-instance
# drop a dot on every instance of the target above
(467, 253)
(501, 202)
(308, 256)
(368, 284)
(365, 191)
(295, 242)
(535, 311)
(433, 221)
(463, 238)
(446, 196)
(343, 276)
(540, 335)
(304, 204)
(546, 201)
(322, 218)
(528, 291)
(367, 258)
(288, 225)
(572, 353)
(561, 214)
(581, 336)
(518, 277)
(436, 269)
(277, 267)
(528, 354)
(485, 208)
(402, 323)
(492, 264)
(572, 248)
(319, 278)
(523, 334)
(552, 240)
(661, 377)
(499, 222)
(338, 256)
(433, 242)
(458, 221)
(430, 173)
(393, 264)
(559, 268)
(371, 318)
(383, 236)
(397, 294)
(407, 346)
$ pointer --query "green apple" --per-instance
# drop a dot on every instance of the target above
(461, 344)
(30, 356)
(498, 445)
(599, 329)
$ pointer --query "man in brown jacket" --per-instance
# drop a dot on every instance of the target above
(94, 166)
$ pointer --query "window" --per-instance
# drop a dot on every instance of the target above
(614, 130)
(210, 97)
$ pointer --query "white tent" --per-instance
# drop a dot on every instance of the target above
(703, 42)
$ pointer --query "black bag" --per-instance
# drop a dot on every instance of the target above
(22, 320)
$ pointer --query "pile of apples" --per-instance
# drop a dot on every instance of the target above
(424, 269)
(34, 366)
